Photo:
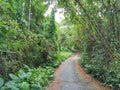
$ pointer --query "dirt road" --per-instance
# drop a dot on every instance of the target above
(69, 77)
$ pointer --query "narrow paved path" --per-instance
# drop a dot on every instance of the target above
(67, 77)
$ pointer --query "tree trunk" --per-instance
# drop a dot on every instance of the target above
(29, 17)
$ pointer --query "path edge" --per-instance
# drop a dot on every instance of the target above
(89, 79)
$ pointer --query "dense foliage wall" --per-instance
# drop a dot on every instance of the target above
(97, 25)
(27, 37)
(24, 35)
(29, 50)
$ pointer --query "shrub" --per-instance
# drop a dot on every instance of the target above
(32, 79)
(107, 72)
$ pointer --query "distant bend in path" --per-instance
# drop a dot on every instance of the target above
(68, 77)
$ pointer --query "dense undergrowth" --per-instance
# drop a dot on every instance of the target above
(98, 37)
(28, 45)
(29, 38)
(106, 72)
(35, 78)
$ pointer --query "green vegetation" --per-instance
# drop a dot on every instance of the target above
(32, 79)
(28, 38)
(61, 56)
(98, 37)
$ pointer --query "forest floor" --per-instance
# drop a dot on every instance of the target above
(70, 76)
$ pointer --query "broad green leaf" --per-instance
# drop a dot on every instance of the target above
(26, 66)
(1, 82)
(37, 86)
(14, 77)
(28, 74)
(24, 86)
(22, 74)
(12, 85)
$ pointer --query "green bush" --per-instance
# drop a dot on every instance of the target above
(107, 72)
(18, 45)
(29, 48)
(60, 56)
(31, 79)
